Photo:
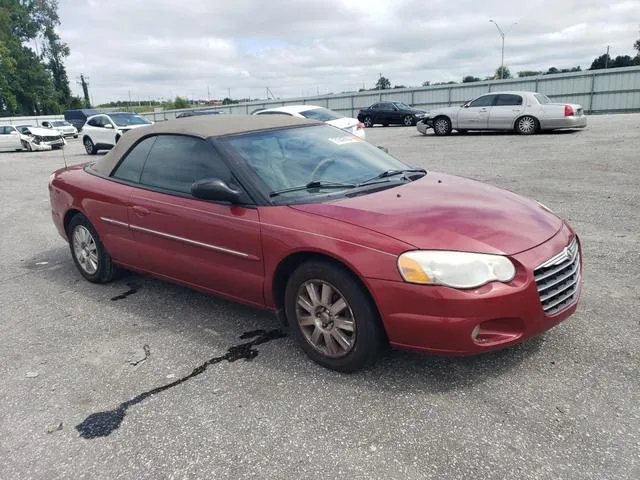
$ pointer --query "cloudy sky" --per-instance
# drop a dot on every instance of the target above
(196, 48)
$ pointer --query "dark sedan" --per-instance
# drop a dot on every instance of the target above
(390, 113)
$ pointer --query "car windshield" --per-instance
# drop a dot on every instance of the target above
(293, 157)
(321, 114)
(126, 119)
(542, 99)
(60, 124)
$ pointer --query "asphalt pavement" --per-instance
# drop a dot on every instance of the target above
(139, 378)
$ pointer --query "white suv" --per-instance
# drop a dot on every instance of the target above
(102, 132)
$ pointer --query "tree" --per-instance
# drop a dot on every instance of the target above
(180, 102)
(31, 82)
(505, 73)
(383, 83)
(605, 61)
(470, 79)
(399, 86)
(636, 47)
(528, 73)
(426, 83)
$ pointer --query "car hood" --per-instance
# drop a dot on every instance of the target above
(44, 132)
(444, 212)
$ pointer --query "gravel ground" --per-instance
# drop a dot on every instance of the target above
(561, 406)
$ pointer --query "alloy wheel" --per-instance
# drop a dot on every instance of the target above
(85, 250)
(368, 122)
(325, 318)
(526, 125)
(408, 121)
(441, 126)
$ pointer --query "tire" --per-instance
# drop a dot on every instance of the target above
(385, 124)
(27, 146)
(463, 131)
(442, 126)
(368, 122)
(89, 146)
(408, 121)
(88, 252)
(527, 125)
(75, 136)
(353, 345)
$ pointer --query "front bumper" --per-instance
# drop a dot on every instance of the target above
(444, 320)
(424, 124)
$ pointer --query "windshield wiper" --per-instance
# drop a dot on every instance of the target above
(391, 173)
(312, 185)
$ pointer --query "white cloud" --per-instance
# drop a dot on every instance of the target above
(163, 48)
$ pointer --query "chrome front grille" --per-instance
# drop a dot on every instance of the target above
(558, 279)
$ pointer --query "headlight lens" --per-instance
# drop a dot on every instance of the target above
(454, 269)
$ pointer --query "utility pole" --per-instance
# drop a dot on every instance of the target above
(208, 94)
(85, 90)
(129, 106)
(606, 59)
(229, 93)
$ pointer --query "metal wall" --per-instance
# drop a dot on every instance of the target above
(599, 91)
(613, 90)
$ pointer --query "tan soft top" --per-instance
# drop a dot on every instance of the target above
(198, 126)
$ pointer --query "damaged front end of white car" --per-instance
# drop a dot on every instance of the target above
(40, 139)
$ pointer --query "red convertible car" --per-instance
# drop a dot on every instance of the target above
(350, 246)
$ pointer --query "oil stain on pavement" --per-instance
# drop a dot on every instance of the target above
(102, 424)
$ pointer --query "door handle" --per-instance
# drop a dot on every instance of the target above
(141, 211)
(483, 109)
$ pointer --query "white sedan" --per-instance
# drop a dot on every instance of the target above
(64, 127)
(10, 138)
(351, 125)
(524, 112)
(102, 132)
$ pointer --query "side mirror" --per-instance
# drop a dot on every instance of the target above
(214, 189)
(384, 149)
(108, 125)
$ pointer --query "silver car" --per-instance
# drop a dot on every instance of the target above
(524, 112)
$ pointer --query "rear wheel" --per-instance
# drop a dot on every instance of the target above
(88, 253)
(332, 317)
(527, 125)
(89, 146)
(442, 126)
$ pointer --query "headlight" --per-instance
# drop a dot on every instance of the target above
(454, 269)
(37, 139)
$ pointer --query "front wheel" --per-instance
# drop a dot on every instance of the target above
(89, 146)
(442, 126)
(368, 122)
(408, 121)
(88, 252)
(332, 318)
(527, 125)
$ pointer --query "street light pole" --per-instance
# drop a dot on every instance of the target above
(502, 56)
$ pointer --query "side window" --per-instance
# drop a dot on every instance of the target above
(386, 106)
(4, 130)
(508, 100)
(375, 106)
(484, 101)
(131, 165)
(93, 122)
(176, 161)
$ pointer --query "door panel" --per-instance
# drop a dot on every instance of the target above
(505, 110)
(108, 212)
(214, 246)
(476, 115)
(473, 117)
